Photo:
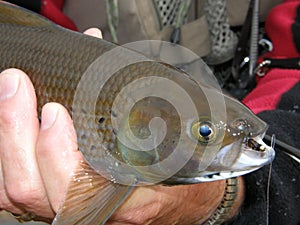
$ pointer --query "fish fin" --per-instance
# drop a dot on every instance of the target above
(91, 199)
(13, 14)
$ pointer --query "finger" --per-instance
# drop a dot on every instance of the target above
(5, 202)
(57, 152)
(95, 32)
(19, 127)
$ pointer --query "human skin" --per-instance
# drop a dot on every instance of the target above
(37, 161)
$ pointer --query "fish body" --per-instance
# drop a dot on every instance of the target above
(138, 120)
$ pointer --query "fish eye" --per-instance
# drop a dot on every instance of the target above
(204, 131)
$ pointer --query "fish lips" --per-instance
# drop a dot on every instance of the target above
(249, 158)
(228, 163)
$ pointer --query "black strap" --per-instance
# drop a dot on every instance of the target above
(267, 63)
(241, 49)
(290, 63)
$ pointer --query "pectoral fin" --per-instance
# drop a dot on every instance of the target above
(91, 199)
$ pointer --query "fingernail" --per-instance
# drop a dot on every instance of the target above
(9, 83)
(49, 115)
(95, 32)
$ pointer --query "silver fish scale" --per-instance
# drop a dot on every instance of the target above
(106, 99)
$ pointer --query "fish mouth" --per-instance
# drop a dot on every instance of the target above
(235, 159)
(254, 154)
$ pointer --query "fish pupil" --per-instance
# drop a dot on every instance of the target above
(205, 130)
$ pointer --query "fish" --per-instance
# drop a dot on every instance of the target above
(138, 120)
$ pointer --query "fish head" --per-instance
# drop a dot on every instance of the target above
(190, 133)
(228, 145)
(163, 125)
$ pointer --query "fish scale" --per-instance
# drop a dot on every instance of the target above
(56, 59)
(112, 88)
(59, 61)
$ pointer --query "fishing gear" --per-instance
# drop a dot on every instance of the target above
(284, 146)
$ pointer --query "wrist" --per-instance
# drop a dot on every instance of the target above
(231, 202)
(183, 204)
(187, 204)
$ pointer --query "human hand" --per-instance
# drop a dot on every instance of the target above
(37, 162)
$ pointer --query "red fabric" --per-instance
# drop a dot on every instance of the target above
(276, 82)
(278, 27)
(267, 93)
(52, 10)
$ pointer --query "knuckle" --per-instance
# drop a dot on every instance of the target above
(6, 204)
(7, 119)
(25, 194)
(11, 120)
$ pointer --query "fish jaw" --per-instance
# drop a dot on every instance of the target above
(254, 158)
(246, 162)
